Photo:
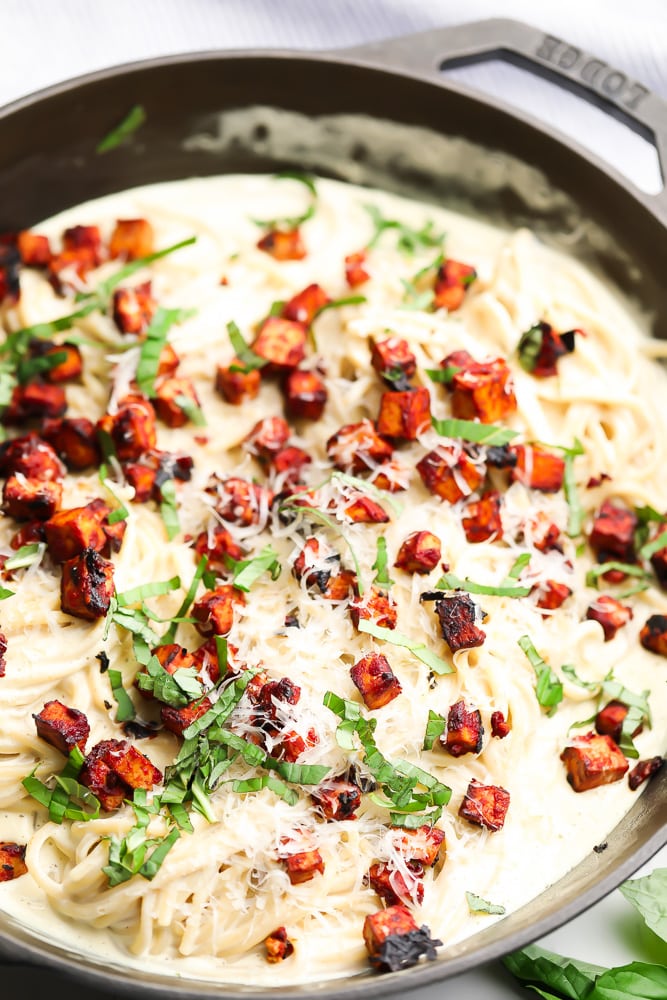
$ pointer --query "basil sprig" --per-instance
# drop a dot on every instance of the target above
(418, 649)
(67, 798)
(548, 690)
(408, 239)
(474, 431)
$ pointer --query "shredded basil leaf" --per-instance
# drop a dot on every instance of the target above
(529, 347)
(192, 411)
(549, 690)
(249, 360)
(187, 601)
(629, 569)
(435, 727)
(120, 513)
(650, 548)
(449, 581)
(380, 565)
(152, 345)
(443, 376)
(144, 590)
(133, 120)
(27, 555)
(472, 430)
(28, 368)
(478, 905)
(248, 571)
(5, 593)
(418, 649)
(294, 221)
(409, 240)
(169, 508)
(126, 709)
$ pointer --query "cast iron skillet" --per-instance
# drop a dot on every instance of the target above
(379, 114)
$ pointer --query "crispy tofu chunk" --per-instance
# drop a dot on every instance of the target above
(419, 553)
(217, 544)
(392, 886)
(177, 720)
(538, 468)
(375, 680)
(452, 281)
(552, 595)
(552, 346)
(269, 691)
(236, 385)
(31, 457)
(653, 634)
(12, 861)
(375, 605)
(643, 771)
(341, 586)
(170, 394)
(131, 239)
(485, 805)
(659, 564)
(86, 585)
(610, 613)
(70, 532)
(172, 656)
(135, 769)
(133, 308)
(609, 721)
(267, 437)
(384, 926)
(283, 244)
(84, 237)
(242, 502)
(303, 306)
(292, 745)
(543, 533)
(278, 946)
(361, 509)
(303, 867)
(114, 768)
(281, 342)
(458, 615)
(31, 499)
(64, 728)
(315, 563)
(215, 611)
(142, 479)
(464, 731)
(34, 401)
(131, 428)
(392, 476)
(483, 390)
(289, 463)
(358, 447)
(75, 441)
(35, 250)
(500, 727)
(482, 518)
(68, 368)
(392, 359)
(404, 415)
(593, 760)
(613, 531)
(449, 473)
(355, 272)
(305, 395)
(337, 800)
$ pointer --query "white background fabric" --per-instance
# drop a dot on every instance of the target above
(43, 41)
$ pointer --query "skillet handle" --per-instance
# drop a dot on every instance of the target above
(428, 53)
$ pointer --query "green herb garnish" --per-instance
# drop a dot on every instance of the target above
(478, 905)
(449, 581)
(126, 709)
(27, 555)
(169, 508)
(133, 120)
(549, 690)
(418, 649)
(474, 431)
(151, 347)
(408, 240)
(294, 221)
(248, 571)
(380, 565)
(249, 360)
(435, 727)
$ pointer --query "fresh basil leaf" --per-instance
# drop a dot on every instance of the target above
(382, 577)
(299, 774)
(28, 368)
(5, 593)
(435, 727)
(649, 897)
(449, 581)
(126, 709)
(152, 345)
(103, 291)
(408, 240)
(548, 690)
(616, 691)
(153, 863)
(650, 548)
(192, 411)
(629, 569)
(478, 905)
(638, 979)
(529, 347)
(294, 221)
(572, 978)
(443, 376)
(418, 649)
(570, 672)
(27, 555)
(269, 781)
(169, 508)
(248, 571)
(120, 513)
(223, 707)
(133, 120)
(144, 590)
(170, 634)
(249, 360)
(472, 430)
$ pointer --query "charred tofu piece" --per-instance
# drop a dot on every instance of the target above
(173, 397)
(419, 553)
(485, 805)
(361, 509)
(35, 250)
(552, 595)
(609, 721)
(281, 342)
(169, 361)
(449, 473)
(375, 605)
(283, 244)
(113, 768)
(242, 502)
(337, 800)
(303, 307)
(70, 532)
(458, 616)
(375, 680)
(234, 384)
(28, 534)
(392, 359)
(68, 368)
(268, 692)
(613, 531)
(653, 634)
(64, 728)
(278, 946)
(483, 390)
(393, 940)
(482, 518)
(358, 447)
(538, 468)
(86, 586)
(131, 239)
(31, 457)
(84, 237)
(31, 499)
(464, 731)
(114, 534)
(134, 308)
(70, 267)
(215, 611)
(355, 272)
(593, 760)
(134, 768)
(289, 463)
(341, 586)
(12, 861)
(610, 613)
(404, 415)
(292, 745)
(392, 886)
(500, 727)
(177, 720)
(131, 428)
(541, 347)
(10, 263)
(303, 867)
(644, 771)
(35, 401)
(659, 564)
(75, 441)
(305, 395)
(208, 666)
(543, 533)
(142, 479)
(218, 545)
(391, 476)
(315, 563)
(267, 437)
(452, 281)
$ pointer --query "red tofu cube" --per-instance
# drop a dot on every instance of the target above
(500, 727)
(133, 308)
(609, 721)
(375, 605)
(303, 866)
(550, 346)
(543, 533)
(289, 463)
(305, 395)
(281, 342)
(485, 805)
(242, 502)
(31, 457)
(483, 390)
(452, 281)
(419, 553)
(177, 720)
(643, 771)
(278, 946)
(653, 634)
(659, 564)
(422, 845)
(315, 563)
(610, 613)
(35, 250)
(170, 395)
(134, 768)
(358, 447)
(593, 760)
(341, 586)
(392, 359)
(538, 468)
(34, 401)
(215, 611)
(613, 531)
(64, 728)
(70, 532)
(67, 369)
(482, 519)
(380, 927)
(337, 800)
(392, 885)
(283, 244)
(267, 437)
(84, 237)
(361, 509)
(131, 239)
(458, 615)
(551, 594)
(391, 476)
(218, 545)
(31, 499)
(12, 861)
(75, 441)
(99, 776)
(404, 415)
(86, 586)
(131, 429)
(142, 479)
(235, 385)
(303, 306)
(375, 680)
(464, 731)
(355, 272)
(449, 473)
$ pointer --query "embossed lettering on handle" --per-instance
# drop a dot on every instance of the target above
(610, 83)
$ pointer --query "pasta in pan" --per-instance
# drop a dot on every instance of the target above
(434, 597)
